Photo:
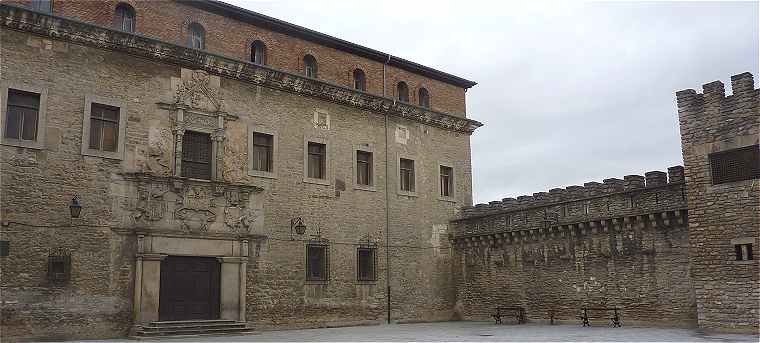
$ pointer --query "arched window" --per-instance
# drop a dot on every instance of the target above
(402, 92)
(424, 98)
(196, 36)
(124, 18)
(360, 82)
(258, 52)
(310, 66)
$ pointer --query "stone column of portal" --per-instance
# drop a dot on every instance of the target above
(150, 287)
(243, 278)
(230, 288)
(138, 280)
(179, 132)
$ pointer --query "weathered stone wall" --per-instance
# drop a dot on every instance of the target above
(621, 243)
(37, 185)
(727, 291)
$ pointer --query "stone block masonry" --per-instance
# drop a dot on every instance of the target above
(619, 243)
(725, 214)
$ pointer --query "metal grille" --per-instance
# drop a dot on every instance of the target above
(366, 263)
(196, 155)
(735, 165)
(59, 265)
(317, 262)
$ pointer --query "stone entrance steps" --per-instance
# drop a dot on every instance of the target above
(189, 328)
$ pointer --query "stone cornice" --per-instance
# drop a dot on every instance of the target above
(22, 19)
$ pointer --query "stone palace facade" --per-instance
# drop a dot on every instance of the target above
(193, 162)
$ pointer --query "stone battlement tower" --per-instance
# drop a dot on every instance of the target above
(719, 138)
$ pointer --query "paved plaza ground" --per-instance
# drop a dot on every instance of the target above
(477, 332)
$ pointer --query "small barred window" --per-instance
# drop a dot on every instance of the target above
(735, 165)
(743, 252)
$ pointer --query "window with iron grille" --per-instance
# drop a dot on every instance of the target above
(317, 262)
(22, 115)
(366, 263)
(735, 165)
(104, 127)
(124, 18)
(59, 266)
(317, 160)
(447, 178)
(263, 147)
(364, 168)
(743, 252)
(406, 172)
(196, 155)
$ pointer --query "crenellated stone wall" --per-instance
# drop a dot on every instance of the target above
(619, 243)
(722, 215)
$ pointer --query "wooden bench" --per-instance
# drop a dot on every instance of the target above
(505, 311)
(614, 320)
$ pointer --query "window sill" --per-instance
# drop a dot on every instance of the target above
(316, 282)
(22, 143)
(262, 174)
(407, 194)
(447, 199)
(366, 282)
(323, 182)
(365, 188)
(747, 262)
(103, 154)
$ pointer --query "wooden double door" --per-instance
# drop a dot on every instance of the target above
(189, 288)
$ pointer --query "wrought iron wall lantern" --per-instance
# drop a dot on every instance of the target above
(297, 226)
(75, 208)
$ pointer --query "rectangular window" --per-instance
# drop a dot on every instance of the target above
(263, 147)
(363, 168)
(22, 115)
(365, 264)
(735, 165)
(104, 127)
(196, 155)
(447, 178)
(406, 171)
(317, 160)
(316, 262)
(43, 5)
(743, 252)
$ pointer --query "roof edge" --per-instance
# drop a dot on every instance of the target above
(281, 26)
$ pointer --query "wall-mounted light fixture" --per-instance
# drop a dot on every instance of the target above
(297, 226)
(75, 208)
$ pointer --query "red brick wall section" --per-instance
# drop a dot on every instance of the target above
(168, 21)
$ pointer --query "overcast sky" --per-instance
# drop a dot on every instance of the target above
(568, 92)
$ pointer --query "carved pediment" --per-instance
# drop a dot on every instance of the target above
(197, 89)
